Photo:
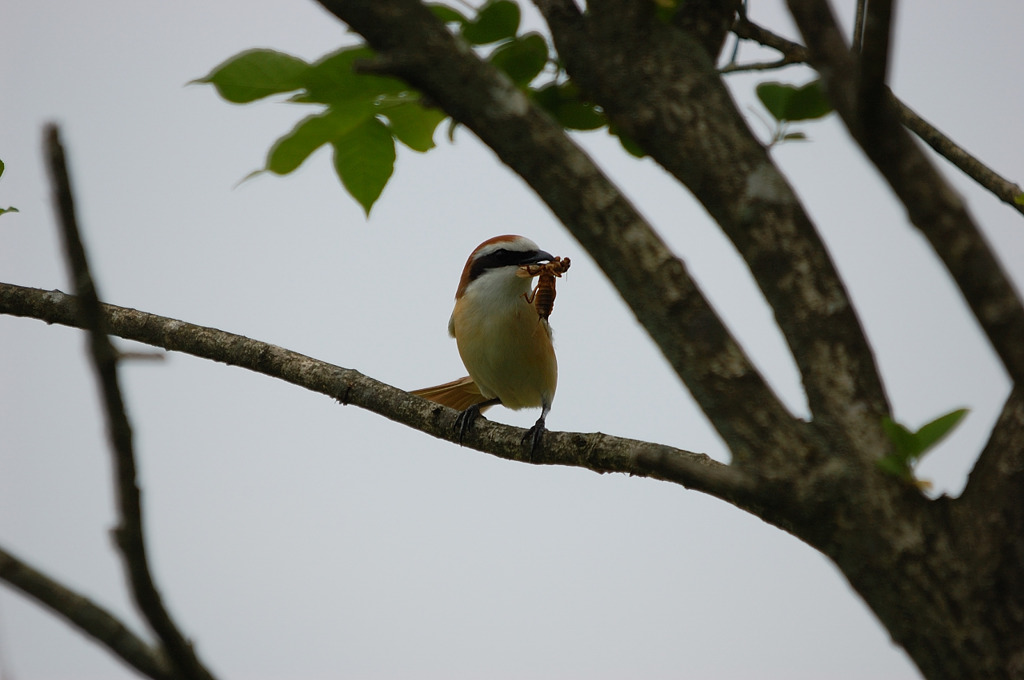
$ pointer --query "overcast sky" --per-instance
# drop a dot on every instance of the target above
(296, 538)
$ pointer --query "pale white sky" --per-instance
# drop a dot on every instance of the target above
(295, 538)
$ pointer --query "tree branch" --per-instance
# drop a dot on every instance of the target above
(999, 471)
(664, 92)
(129, 533)
(652, 281)
(932, 205)
(858, 24)
(86, 616)
(745, 29)
(597, 452)
(1002, 188)
(873, 61)
(708, 21)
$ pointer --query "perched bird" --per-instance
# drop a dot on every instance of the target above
(504, 342)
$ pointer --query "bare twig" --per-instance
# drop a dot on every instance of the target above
(88, 617)
(748, 30)
(758, 66)
(858, 24)
(129, 533)
(1002, 188)
(873, 57)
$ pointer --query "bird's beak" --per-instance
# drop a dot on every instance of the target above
(538, 256)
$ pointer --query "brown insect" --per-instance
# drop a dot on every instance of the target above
(543, 295)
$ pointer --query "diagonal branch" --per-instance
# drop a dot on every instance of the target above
(658, 85)
(129, 532)
(998, 473)
(873, 61)
(86, 616)
(598, 452)
(415, 46)
(932, 205)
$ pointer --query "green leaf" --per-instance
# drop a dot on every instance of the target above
(903, 440)
(364, 159)
(895, 467)
(256, 74)
(808, 102)
(522, 59)
(794, 137)
(414, 125)
(932, 433)
(909, 445)
(1, 168)
(564, 104)
(790, 103)
(291, 150)
(333, 80)
(628, 144)
(775, 97)
(447, 14)
(497, 20)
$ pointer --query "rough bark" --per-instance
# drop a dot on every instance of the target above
(941, 575)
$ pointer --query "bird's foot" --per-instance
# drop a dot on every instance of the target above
(469, 416)
(466, 420)
(533, 437)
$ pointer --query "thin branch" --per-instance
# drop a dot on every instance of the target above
(129, 533)
(1002, 188)
(86, 616)
(873, 57)
(858, 24)
(757, 66)
(598, 452)
(932, 205)
(748, 30)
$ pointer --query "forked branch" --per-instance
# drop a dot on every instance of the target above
(129, 532)
(86, 616)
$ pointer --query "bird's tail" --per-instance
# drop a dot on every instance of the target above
(458, 394)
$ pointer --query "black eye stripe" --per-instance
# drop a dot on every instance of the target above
(499, 258)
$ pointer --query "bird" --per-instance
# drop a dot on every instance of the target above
(504, 343)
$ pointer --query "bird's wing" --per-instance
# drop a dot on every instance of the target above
(458, 394)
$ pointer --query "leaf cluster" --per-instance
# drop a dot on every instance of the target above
(361, 116)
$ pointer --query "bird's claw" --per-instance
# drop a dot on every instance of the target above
(533, 437)
(466, 420)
